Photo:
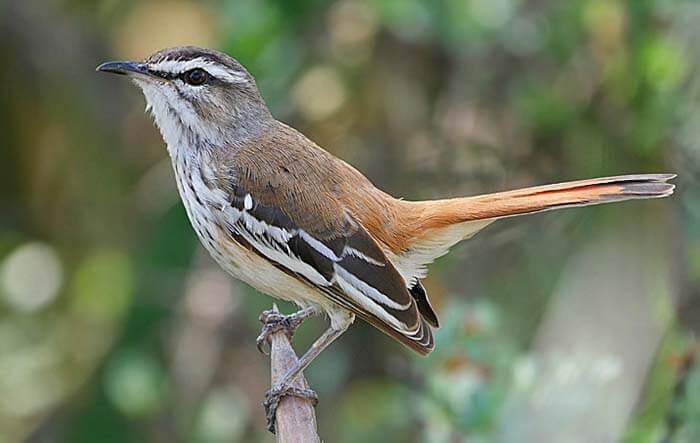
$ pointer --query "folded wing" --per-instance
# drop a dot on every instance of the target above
(345, 264)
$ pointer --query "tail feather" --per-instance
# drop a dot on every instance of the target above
(442, 213)
(439, 224)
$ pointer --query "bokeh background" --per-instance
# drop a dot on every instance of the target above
(575, 326)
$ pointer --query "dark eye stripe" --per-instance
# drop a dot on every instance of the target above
(179, 76)
(164, 75)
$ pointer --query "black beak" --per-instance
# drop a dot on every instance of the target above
(124, 68)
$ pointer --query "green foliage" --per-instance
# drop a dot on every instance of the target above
(115, 326)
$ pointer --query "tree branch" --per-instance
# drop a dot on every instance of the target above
(296, 417)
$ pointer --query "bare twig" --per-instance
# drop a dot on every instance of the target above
(296, 417)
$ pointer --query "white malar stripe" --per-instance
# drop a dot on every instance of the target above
(368, 290)
(185, 111)
(157, 102)
(161, 101)
(218, 71)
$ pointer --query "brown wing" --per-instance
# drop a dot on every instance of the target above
(292, 214)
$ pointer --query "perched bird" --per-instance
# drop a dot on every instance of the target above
(285, 216)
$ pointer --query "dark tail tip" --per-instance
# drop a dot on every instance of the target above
(648, 185)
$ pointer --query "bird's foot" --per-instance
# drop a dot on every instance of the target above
(274, 395)
(273, 321)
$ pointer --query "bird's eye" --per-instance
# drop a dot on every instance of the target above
(196, 76)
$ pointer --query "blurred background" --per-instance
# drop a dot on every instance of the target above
(574, 326)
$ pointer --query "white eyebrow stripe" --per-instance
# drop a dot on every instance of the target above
(215, 69)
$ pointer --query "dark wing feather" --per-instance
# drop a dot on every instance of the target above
(346, 264)
(424, 306)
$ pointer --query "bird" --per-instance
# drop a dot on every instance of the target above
(290, 219)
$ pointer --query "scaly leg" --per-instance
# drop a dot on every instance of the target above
(282, 388)
(274, 321)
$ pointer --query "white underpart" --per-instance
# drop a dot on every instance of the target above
(412, 263)
(215, 69)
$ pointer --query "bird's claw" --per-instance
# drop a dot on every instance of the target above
(274, 395)
(273, 322)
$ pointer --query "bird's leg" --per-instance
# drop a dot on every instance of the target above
(282, 388)
(274, 321)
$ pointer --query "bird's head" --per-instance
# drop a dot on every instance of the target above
(198, 97)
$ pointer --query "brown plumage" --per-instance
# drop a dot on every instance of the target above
(284, 169)
(435, 215)
(292, 220)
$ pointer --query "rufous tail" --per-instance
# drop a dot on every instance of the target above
(436, 214)
(430, 228)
